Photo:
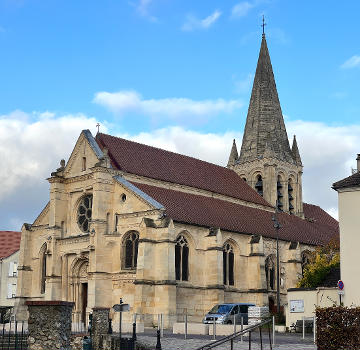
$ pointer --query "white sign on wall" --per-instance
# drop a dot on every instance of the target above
(297, 306)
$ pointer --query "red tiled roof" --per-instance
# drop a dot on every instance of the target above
(211, 212)
(139, 159)
(9, 243)
(314, 212)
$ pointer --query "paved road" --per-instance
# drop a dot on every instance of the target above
(177, 342)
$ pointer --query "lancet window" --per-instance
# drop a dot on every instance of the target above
(305, 260)
(291, 196)
(259, 185)
(182, 259)
(228, 264)
(43, 268)
(279, 188)
(130, 250)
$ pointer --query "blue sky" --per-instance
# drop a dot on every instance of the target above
(160, 71)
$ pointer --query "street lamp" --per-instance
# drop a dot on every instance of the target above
(277, 227)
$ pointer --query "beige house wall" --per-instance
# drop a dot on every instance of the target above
(349, 204)
(8, 277)
(312, 298)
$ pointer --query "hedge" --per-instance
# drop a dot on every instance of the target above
(338, 328)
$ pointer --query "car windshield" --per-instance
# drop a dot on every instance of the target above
(220, 309)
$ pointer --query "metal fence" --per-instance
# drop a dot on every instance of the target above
(230, 339)
(13, 336)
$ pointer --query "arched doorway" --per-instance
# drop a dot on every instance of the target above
(79, 292)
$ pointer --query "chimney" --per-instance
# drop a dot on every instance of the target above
(358, 162)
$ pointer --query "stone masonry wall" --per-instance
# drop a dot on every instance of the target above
(49, 325)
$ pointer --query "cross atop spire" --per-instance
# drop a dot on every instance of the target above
(263, 25)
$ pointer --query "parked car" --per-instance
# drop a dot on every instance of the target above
(224, 313)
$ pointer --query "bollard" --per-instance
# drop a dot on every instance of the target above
(158, 343)
(186, 324)
(242, 328)
(303, 327)
(234, 323)
(314, 331)
(214, 329)
(273, 329)
(161, 326)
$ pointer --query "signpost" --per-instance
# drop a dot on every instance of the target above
(121, 308)
(341, 291)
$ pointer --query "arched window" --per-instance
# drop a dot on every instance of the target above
(291, 196)
(130, 250)
(181, 259)
(43, 268)
(270, 272)
(259, 185)
(228, 264)
(305, 260)
(279, 188)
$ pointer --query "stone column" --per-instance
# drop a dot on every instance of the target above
(49, 325)
(100, 326)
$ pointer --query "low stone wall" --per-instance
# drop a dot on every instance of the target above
(49, 325)
(100, 326)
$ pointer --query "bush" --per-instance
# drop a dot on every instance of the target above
(323, 260)
(338, 328)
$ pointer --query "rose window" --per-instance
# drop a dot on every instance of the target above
(84, 213)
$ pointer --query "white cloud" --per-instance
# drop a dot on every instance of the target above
(143, 10)
(328, 154)
(352, 62)
(193, 23)
(241, 9)
(23, 143)
(123, 102)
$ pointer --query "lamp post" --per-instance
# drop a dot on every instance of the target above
(277, 227)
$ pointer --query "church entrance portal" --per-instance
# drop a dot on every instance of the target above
(79, 293)
(84, 301)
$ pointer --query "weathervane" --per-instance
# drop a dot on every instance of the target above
(98, 127)
(263, 25)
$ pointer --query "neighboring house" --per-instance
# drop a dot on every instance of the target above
(349, 213)
(9, 258)
(167, 232)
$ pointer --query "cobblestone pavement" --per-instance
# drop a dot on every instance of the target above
(192, 344)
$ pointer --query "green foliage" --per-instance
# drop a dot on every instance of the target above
(322, 261)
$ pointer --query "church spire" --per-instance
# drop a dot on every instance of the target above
(233, 155)
(295, 152)
(265, 123)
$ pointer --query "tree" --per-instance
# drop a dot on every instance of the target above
(322, 261)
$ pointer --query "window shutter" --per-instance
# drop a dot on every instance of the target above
(15, 269)
(11, 269)
(9, 291)
(13, 290)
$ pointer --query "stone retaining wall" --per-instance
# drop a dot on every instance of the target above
(49, 325)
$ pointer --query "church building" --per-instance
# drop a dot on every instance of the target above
(169, 233)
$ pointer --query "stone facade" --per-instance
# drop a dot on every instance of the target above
(49, 325)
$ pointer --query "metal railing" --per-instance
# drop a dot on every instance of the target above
(13, 336)
(231, 338)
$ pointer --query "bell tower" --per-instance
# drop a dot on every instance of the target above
(266, 161)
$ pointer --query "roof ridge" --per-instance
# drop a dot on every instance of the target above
(164, 150)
